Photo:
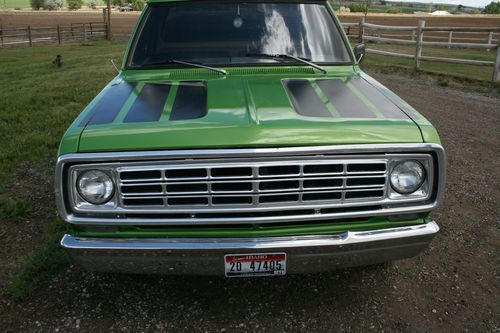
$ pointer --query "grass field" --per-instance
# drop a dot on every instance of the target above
(14, 4)
(38, 101)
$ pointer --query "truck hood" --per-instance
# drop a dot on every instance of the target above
(243, 111)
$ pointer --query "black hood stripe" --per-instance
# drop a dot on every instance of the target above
(109, 105)
(190, 101)
(379, 100)
(305, 99)
(149, 104)
(344, 100)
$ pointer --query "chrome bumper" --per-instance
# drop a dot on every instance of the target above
(205, 256)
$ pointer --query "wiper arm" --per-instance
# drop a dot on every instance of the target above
(288, 56)
(192, 64)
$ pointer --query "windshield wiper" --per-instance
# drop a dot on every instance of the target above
(192, 64)
(287, 56)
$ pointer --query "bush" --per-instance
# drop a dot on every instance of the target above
(53, 4)
(443, 82)
(92, 4)
(138, 5)
(394, 10)
(357, 7)
(74, 4)
(37, 4)
(118, 3)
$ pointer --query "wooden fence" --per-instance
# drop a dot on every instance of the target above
(420, 36)
(58, 34)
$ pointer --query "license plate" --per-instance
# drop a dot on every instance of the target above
(255, 264)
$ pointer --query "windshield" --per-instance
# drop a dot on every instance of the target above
(234, 32)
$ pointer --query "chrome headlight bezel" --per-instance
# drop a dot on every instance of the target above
(105, 180)
(407, 169)
(424, 190)
(78, 201)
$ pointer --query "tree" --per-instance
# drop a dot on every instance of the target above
(37, 4)
(138, 5)
(492, 8)
(441, 7)
(53, 4)
(368, 3)
(74, 4)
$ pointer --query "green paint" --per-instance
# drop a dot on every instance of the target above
(365, 101)
(169, 104)
(243, 111)
(325, 100)
(247, 108)
(322, 228)
(128, 104)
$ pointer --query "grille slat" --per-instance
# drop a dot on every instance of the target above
(252, 183)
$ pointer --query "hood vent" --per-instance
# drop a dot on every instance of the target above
(340, 98)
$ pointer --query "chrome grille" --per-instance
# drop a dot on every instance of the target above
(252, 184)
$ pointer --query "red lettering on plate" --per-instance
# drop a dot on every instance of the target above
(255, 257)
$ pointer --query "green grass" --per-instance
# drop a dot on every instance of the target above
(38, 101)
(467, 72)
(14, 209)
(8, 4)
(42, 264)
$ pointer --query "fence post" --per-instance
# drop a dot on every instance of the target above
(420, 40)
(59, 39)
(361, 31)
(108, 20)
(84, 32)
(1, 34)
(490, 39)
(450, 38)
(496, 70)
(413, 34)
(29, 36)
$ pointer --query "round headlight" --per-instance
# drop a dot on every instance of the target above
(407, 176)
(95, 186)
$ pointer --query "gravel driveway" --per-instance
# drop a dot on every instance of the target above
(453, 286)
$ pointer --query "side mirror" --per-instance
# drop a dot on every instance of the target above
(359, 52)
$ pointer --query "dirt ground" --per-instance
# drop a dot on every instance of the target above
(123, 23)
(451, 287)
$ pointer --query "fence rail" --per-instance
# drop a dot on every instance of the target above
(487, 38)
(58, 34)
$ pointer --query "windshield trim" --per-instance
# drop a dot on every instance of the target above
(149, 7)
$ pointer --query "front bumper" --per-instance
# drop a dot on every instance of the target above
(205, 256)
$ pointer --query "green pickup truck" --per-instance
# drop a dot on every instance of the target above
(242, 139)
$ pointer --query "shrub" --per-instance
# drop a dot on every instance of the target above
(92, 4)
(357, 7)
(53, 4)
(394, 10)
(74, 4)
(37, 4)
(443, 82)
